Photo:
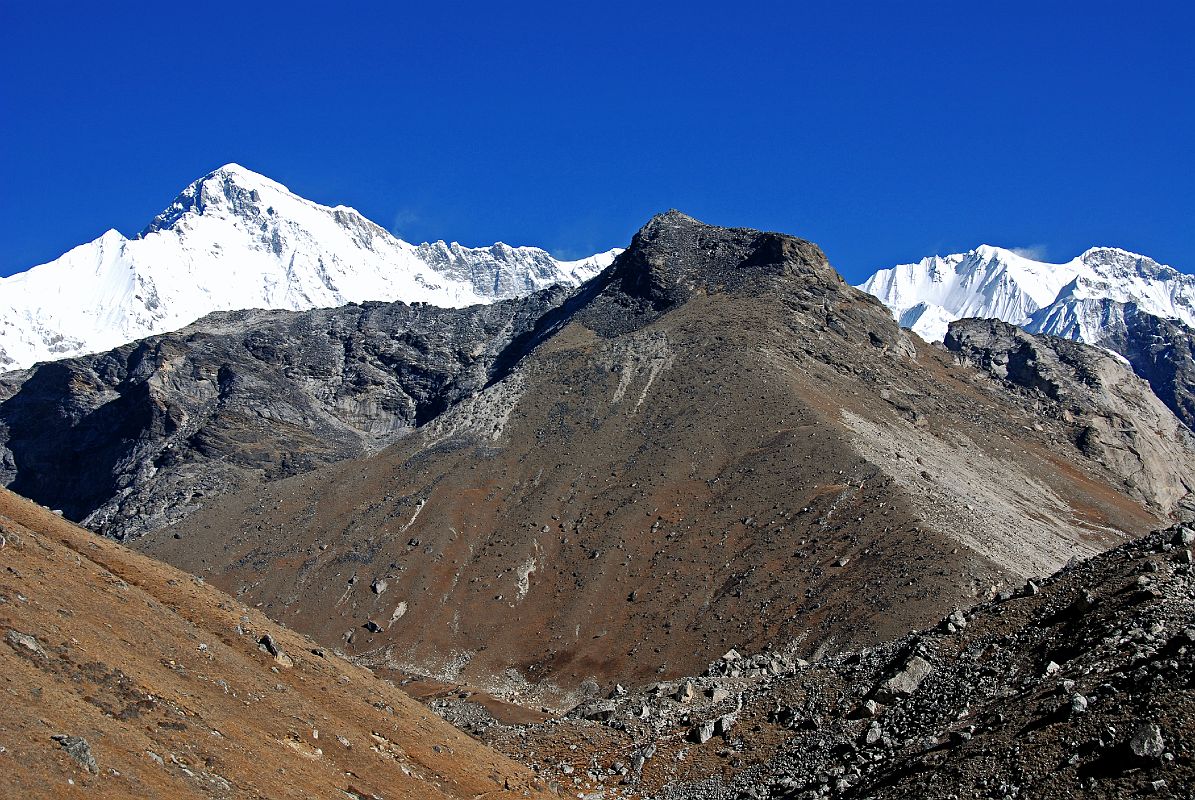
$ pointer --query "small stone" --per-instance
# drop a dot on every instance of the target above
(599, 711)
(874, 734)
(23, 641)
(905, 682)
(686, 692)
(717, 695)
(267, 644)
(379, 585)
(732, 655)
(1185, 537)
(702, 733)
(78, 749)
(1078, 704)
(1147, 742)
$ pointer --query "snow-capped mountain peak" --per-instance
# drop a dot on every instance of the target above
(235, 239)
(1067, 299)
(986, 281)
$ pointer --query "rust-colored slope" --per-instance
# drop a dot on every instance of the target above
(724, 446)
(164, 678)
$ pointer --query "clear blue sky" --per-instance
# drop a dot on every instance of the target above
(883, 131)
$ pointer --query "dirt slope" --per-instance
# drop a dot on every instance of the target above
(716, 443)
(160, 685)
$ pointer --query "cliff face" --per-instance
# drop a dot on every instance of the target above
(134, 439)
(1112, 416)
(1162, 351)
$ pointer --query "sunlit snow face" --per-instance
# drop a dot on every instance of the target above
(1067, 299)
(235, 240)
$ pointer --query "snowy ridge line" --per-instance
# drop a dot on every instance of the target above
(235, 240)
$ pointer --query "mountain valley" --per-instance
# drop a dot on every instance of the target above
(673, 527)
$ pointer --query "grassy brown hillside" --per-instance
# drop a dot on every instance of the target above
(161, 687)
(716, 443)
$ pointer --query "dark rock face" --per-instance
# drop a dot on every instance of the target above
(1112, 416)
(1162, 351)
(134, 439)
(675, 257)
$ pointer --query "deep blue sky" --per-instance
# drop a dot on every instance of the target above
(883, 131)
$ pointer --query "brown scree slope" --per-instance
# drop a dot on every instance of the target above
(164, 679)
(716, 443)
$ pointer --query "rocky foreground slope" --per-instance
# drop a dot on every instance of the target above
(716, 442)
(1078, 685)
(123, 677)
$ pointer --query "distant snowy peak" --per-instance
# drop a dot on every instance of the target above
(235, 239)
(504, 271)
(1069, 299)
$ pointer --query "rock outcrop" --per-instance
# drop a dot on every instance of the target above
(1113, 416)
(1162, 351)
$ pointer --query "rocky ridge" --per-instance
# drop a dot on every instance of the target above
(1162, 351)
(1121, 301)
(1113, 415)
